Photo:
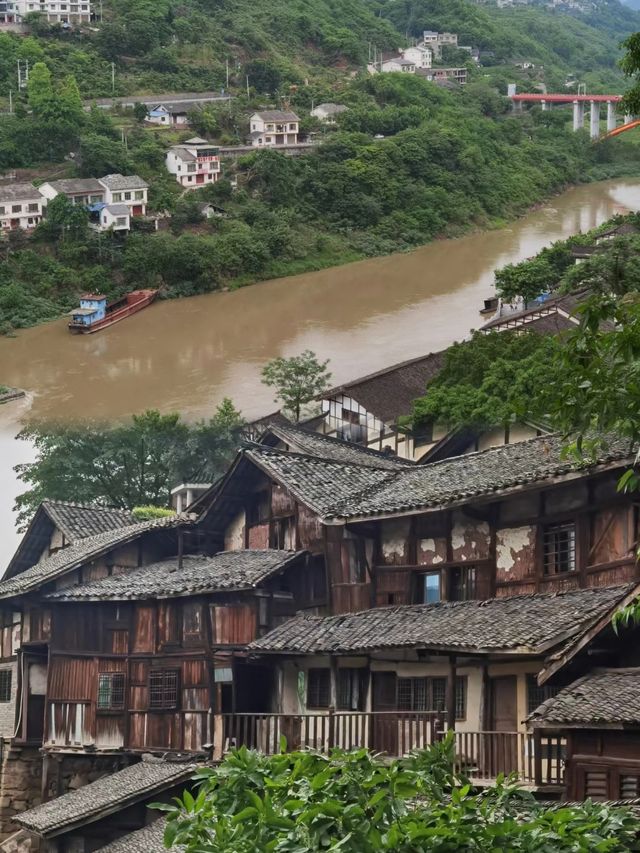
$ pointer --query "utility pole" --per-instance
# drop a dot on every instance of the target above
(113, 78)
(247, 85)
(10, 102)
(227, 75)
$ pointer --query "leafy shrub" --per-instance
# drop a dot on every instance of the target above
(354, 802)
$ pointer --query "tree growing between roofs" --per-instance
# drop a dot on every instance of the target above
(134, 464)
(297, 380)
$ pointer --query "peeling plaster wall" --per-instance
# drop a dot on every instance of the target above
(394, 542)
(470, 538)
(515, 552)
(432, 551)
(234, 534)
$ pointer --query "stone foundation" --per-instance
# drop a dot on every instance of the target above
(20, 785)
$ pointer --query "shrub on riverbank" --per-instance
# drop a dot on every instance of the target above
(354, 802)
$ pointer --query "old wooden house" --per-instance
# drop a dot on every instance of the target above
(460, 578)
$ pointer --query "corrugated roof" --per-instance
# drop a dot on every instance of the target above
(87, 804)
(81, 552)
(389, 393)
(225, 571)
(528, 624)
(606, 697)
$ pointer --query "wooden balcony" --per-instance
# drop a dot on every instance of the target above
(481, 756)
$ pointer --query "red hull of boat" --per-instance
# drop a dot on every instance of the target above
(136, 301)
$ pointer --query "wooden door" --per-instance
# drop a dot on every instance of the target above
(385, 726)
(503, 743)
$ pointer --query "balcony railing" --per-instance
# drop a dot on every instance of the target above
(481, 756)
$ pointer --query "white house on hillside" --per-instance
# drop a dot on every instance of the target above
(274, 127)
(71, 12)
(420, 55)
(398, 64)
(21, 206)
(195, 163)
(116, 216)
(126, 189)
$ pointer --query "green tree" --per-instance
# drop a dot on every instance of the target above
(40, 93)
(65, 220)
(297, 380)
(140, 112)
(492, 380)
(128, 465)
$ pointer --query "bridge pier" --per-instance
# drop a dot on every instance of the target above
(594, 119)
(611, 116)
(627, 118)
(578, 115)
(544, 105)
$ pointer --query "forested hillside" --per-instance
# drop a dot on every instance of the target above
(407, 162)
(163, 45)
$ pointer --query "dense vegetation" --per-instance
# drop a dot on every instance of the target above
(584, 383)
(130, 465)
(450, 160)
(357, 803)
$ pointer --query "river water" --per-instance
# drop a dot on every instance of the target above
(187, 355)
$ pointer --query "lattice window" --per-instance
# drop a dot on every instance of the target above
(318, 688)
(5, 685)
(559, 549)
(430, 694)
(163, 689)
(111, 691)
(537, 695)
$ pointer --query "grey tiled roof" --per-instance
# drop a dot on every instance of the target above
(77, 185)
(327, 447)
(123, 182)
(319, 483)
(346, 490)
(78, 521)
(228, 570)
(277, 115)
(390, 392)
(523, 623)
(81, 552)
(19, 192)
(149, 839)
(603, 698)
(87, 804)
(118, 209)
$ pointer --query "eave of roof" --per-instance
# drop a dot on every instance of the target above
(103, 797)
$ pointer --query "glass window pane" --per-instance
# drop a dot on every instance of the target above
(431, 592)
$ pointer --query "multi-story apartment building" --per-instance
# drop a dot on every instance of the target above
(435, 41)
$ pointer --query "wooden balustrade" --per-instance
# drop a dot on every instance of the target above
(481, 756)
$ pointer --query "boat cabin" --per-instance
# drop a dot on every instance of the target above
(93, 308)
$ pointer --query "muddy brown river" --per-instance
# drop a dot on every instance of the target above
(187, 355)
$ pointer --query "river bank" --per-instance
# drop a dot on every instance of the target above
(187, 355)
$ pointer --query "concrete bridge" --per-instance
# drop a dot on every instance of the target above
(579, 103)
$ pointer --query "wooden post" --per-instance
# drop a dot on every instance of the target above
(537, 757)
(333, 699)
(451, 694)
(332, 728)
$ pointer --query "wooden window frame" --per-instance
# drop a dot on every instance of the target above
(316, 702)
(553, 529)
(547, 691)
(348, 677)
(6, 684)
(166, 695)
(428, 685)
(120, 691)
